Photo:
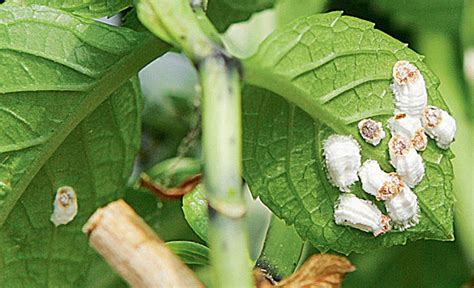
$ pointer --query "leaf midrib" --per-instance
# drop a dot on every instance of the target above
(149, 49)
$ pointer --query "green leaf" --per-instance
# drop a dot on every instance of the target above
(332, 71)
(191, 253)
(83, 8)
(174, 171)
(282, 250)
(57, 71)
(223, 13)
(195, 211)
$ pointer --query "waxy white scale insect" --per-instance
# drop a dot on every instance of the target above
(65, 206)
(406, 160)
(371, 131)
(409, 89)
(410, 127)
(377, 182)
(342, 154)
(360, 214)
(403, 208)
(439, 125)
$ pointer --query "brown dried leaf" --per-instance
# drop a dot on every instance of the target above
(170, 193)
(319, 271)
(261, 279)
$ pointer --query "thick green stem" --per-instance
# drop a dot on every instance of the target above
(222, 144)
(175, 22)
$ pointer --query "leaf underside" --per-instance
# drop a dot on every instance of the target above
(70, 115)
(341, 67)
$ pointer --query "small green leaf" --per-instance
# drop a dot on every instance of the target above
(223, 13)
(191, 253)
(195, 211)
(282, 250)
(172, 172)
(83, 8)
(70, 115)
(337, 69)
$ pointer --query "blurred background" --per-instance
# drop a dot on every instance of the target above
(442, 30)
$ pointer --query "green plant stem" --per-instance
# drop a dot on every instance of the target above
(223, 164)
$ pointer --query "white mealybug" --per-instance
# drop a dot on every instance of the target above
(409, 89)
(406, 160)
(371, 131)
(439, 125)
(403, 209)
(377, 182)
(342, 155)
(65, 206)
(360, 214)
(411, 128)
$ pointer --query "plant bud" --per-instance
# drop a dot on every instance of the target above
(403, 209)
(406, 160)
(360, 214)
(409, 89)
(342, 154)
(409, 127)
(377, 182)
(439, 125)
(65, 206)
(371, 131)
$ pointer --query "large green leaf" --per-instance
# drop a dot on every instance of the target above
(84, 8)
(56, 70)
(337, 69)
(223, 13)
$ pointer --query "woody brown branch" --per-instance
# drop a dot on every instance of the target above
(129, 245)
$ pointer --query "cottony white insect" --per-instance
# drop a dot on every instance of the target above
(410, 127)
(360, 214)
(342, 155)
(377, 182)
(409, 89)
(371, 131)
(439, 125)
(65, 206)
(403, 209)
(406, 160)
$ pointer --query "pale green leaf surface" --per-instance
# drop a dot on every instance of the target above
(337, 69)
(83, 8)
(195, 211)
(191, 253)
(223, 13)
(56, 70)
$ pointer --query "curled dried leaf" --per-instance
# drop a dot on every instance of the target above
(170, 193)
(319, 271)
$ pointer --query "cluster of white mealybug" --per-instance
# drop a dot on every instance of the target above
(400, 201)
(413, 118)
